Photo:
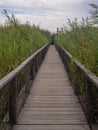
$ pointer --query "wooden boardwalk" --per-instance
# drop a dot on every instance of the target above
(51, 104)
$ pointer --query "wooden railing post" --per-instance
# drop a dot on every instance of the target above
(89, 103)
(12, 102)
(87, 100)
(39, 59)
(32, 70)
(37, 62)
(27, 84)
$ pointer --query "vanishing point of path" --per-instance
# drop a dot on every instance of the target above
(51, 104)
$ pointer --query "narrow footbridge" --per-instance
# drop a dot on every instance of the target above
(45, 96)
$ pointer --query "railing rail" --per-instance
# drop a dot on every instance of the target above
(85, 85)
(15, 87)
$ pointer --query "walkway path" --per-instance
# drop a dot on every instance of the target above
(51, 104)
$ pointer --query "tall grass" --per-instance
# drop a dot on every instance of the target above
(17, 42)
(82, 42)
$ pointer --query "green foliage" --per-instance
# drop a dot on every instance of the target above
(82, 42)
(17, 42)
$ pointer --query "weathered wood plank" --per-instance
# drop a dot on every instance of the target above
(54, 112)
(52, 94)
(64, 98)
(51, 127)
(52, 105)
(37, 121)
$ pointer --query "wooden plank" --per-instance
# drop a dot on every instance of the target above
(43, 96)
(49, 112)
(41, 121)
(51, 105)
(51, 101)
(51, 88)
(64, 98)
(61, 93)
(52, 117)
(51, 127)
(66, 108)
(51, 94)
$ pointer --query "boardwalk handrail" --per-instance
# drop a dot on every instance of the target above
(15, 87)
(85, 84)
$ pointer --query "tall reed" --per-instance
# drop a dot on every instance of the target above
(17, 42)
(82, 42)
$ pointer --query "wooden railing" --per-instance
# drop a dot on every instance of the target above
(15, 87)
(85, 85)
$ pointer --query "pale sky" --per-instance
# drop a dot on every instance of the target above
(49, 14)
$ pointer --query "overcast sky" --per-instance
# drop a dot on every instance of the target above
(49, 14)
